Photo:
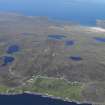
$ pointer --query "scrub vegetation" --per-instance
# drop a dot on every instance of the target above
(38, 46)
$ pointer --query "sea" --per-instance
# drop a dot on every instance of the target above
(32, 99)
(84, 12)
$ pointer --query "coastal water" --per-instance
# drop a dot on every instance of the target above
(85, 12)
(29, 99)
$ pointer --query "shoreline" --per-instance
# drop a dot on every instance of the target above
(51, 96)
(97, 29)
(48, 96)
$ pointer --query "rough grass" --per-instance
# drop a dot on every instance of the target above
(3, 89)
(6, 90)
(54, 87)
(57, 87)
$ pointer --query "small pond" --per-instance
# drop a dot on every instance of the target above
(75, 58)
(100, 39)
(12, 49)
(56, 37)
(27, 34)
(69, 42)
(7, 60)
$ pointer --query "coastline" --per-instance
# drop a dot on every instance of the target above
(44, 95)
(51, 97)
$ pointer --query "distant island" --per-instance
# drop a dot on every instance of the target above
(61, 60)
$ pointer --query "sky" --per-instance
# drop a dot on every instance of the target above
(27, 1)
(46, 2)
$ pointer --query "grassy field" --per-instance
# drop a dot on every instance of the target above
(56, 87)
